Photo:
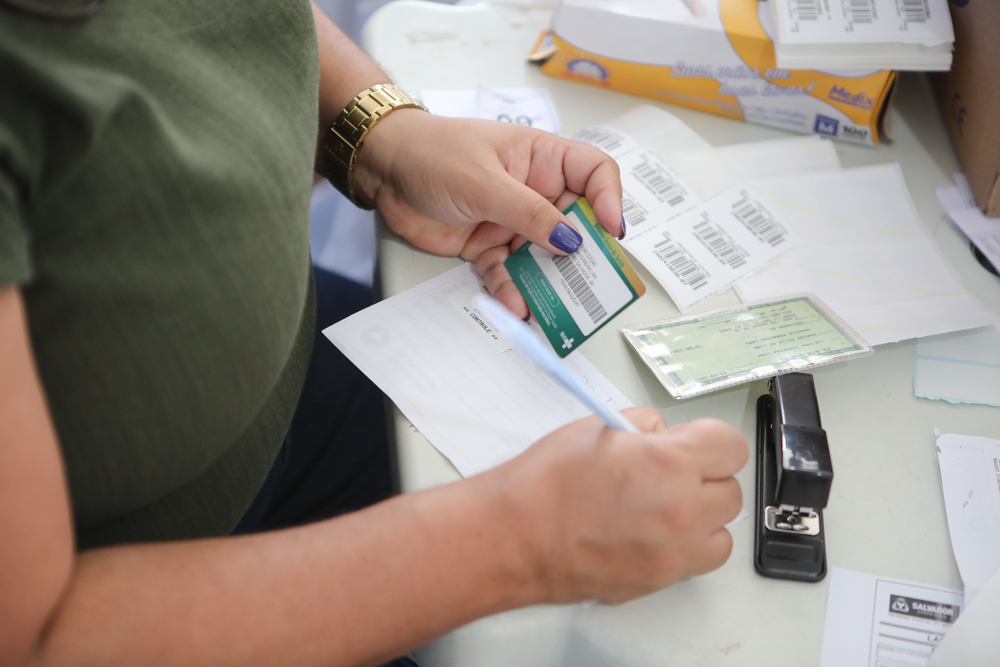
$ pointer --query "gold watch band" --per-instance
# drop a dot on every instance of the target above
(352, 125)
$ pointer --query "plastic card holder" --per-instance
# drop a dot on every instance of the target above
(698, 354)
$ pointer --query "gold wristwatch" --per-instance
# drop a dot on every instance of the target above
(344, 139)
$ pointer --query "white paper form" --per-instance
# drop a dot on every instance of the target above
(866, 255)
(478, 400)
(961, 367)
(532, 107)
(973, 640)
(874, 621)
(970, 480)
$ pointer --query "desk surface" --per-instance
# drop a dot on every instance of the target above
(886, 514)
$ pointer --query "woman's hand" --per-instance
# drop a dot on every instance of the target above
(610, 515)
(478, 188)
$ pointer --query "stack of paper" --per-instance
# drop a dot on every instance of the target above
(862, 34)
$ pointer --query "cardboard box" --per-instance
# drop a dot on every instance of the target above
(969, 96)
(721, 62)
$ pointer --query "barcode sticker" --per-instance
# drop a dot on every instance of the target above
(758, 220)
(859, 11)
(914, 11)
(634, 213)
(680, 263)
(612, 141)
(719, 243)
(572, 296)
(707, 248)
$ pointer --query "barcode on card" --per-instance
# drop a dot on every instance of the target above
(580, 288)
(860, 11)
(806, 10)
(658, 180)
(719, 244)
(914, 11)
(600, 137)
(633, 213)
(680, 263)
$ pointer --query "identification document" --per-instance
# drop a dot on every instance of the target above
(698, 354)
(572, 296)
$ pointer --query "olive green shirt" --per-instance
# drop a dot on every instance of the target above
(155, 172)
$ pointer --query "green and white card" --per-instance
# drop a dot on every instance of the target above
(697, 354)
(573, 296)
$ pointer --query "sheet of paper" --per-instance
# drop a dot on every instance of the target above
(479, 401)
(525, 106)
(970, 480)
(874, 621)
(707, 248)
(866, 255)
(776, 157)
(973, 640)
(961, 367)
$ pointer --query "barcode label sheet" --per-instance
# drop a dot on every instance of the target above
(859, 21)
(707, 248)
(693, 248)
(651, 191)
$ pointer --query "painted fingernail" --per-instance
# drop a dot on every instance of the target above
(622, 237)
(565, 238)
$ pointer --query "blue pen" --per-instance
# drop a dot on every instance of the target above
(518, 333)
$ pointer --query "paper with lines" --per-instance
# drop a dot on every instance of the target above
(865, 254)
(962, 367)
(477, 399)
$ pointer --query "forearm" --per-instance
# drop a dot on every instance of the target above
(344, 70)
(356, 590)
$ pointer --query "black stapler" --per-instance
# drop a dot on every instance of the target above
(794, 474)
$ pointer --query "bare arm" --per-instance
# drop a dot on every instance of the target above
(554, 525)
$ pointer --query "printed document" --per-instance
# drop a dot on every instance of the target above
(970, 480)
(866, 255)
(874, 621)
(476, 398)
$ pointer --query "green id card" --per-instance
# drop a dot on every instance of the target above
(573, 296)
(697, 354)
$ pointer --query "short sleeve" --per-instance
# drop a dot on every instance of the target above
(15, 244)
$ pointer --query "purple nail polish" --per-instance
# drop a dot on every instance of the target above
(565, 238)
(622, 237)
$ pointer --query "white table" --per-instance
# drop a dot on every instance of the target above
(886, 514)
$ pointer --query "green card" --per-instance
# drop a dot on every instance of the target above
(573, 296)
(701, 353)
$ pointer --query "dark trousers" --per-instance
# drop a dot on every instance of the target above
(335, 458)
